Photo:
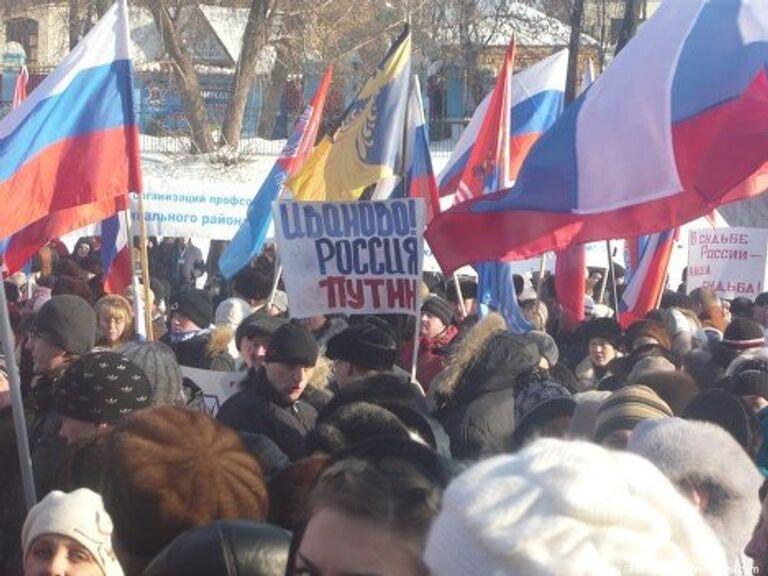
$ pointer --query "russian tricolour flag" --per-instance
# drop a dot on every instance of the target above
(537, 96)
(71, 148)
(677, 125)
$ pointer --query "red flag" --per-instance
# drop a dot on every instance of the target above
(20, 91)
(569, 284)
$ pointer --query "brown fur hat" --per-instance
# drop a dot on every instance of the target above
(647, 332)
(170, 469)
(676, 388)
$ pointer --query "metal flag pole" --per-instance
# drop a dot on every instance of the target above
(275, 282)
(17, 408)
(601, 297)
(612, 272)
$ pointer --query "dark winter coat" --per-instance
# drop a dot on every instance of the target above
(208, 351)
(258, 409)
(474, 397)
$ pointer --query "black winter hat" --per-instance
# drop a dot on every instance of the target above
(750, 383)
(194, 304)
(743, 334)
(364, 345)
(468, 288)
(258, 324)
(253, 284)
(439, 308)
(225, 548)
(102, 387)
(67, 322)
(605, 328)
(292, 344)
(721, 408)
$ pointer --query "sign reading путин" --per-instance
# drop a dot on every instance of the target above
(731, 261)
(351, 257)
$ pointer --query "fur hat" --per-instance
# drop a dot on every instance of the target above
(352, 423)
(605, 328)
(703, 455)
(537, 403)
(626, 408)
(569, 508)
(468, 289)
(253, 284)
(74, 287)
(292, 344)
(743, 334)
(67, 322)
(168, 469)
(650, 364)
(439, 308)
(645, 332)
(546, 345)
(289, 490)
(364, 345)
(258, 324)
(721, 408)
(101, 387)
(79, 515)
(194, 304)
(225, 548)
(162, 369)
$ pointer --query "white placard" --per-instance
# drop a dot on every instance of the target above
(351, 258)
(216, 386)
(732, 261)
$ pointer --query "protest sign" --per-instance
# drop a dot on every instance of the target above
(351, 258)
(731, 261)
(194, 208)
(216, 386)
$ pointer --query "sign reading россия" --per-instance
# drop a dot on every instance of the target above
(731, 261)
(350, 257)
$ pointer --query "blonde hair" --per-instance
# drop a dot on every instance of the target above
(114, 305)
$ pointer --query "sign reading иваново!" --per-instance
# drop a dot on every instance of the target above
(351, 257)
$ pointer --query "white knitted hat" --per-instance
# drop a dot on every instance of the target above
(79, 515)
(560, 508)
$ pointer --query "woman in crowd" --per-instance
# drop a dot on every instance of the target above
(115, 318)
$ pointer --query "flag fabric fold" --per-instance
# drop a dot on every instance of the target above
(677, 125)
(117, 268)
(69, 152)
(536, 100)
(367, 146)
(249, 239)
(496, 293)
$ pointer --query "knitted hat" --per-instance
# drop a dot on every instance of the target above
(67, 322)
(725, 410)
(626, 407)
(743, 334)
(253, 284)
(539, 402)
(439, 308)
(225, 548)
(159, 364)
(169, 469)
(292, 344)
(258, 324)
(546, 345)
(79, 515)
(569, 508)
(364, 345)
(605, 328)
(194, 304)
(101, 387)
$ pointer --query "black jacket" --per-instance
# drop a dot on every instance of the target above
(258, 409)
(207, 351)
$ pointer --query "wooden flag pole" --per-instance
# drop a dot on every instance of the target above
(145, 267)
(138, 313)
(17, 408)
(601, 297)
(416, 339)
(612, 273)
(275, 282)
(459, 295)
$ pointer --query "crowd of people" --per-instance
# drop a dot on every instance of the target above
(589, 450)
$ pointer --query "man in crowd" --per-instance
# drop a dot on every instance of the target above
(270, 402)
(252, 338)
(360, 351)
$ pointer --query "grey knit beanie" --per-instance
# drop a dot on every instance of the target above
(159, 364)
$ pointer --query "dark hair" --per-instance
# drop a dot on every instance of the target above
(395, 484)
